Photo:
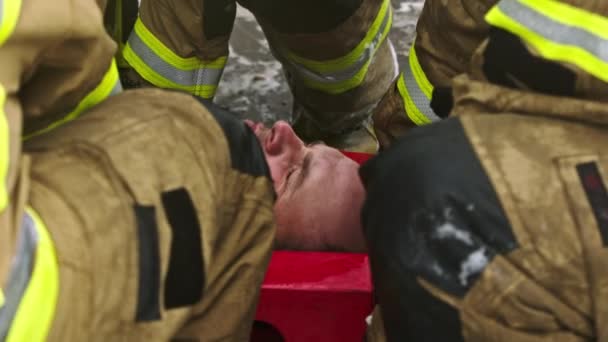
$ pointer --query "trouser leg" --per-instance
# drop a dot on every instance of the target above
(337, 58)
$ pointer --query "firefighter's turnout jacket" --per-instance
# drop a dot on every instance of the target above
(496, 228)
(148, 218)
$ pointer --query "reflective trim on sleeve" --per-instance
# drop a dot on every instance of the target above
(9, 14)
(33, 284)
(160, 66)
(416, 92)
(109, 85)
(557, 31)
(347, 72)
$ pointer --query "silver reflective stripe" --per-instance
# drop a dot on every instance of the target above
(2, 11)
(21, 271)
(555, 31)
(117, 89)
(350, 71)
(201, 76)
(420, 100)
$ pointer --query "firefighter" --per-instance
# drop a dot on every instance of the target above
(447, 34)
(146, 215)
(336, 54)
(148, 218)
(496, 226)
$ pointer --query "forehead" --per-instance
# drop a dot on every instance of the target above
(325, 162)
(323, 198)
(327, 154)
(329, 174)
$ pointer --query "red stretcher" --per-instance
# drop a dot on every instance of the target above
(315, 296)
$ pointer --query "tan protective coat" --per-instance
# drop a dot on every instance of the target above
(447, 34)
(84, 178)
(87, 176)
(46, 70)
(553, 286)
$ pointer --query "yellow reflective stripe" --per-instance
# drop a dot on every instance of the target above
(1, 298)
(411, 110)
(571, 15)
(4, 150)
(152, 76)
(149, 74)
(9, 14)
(346, 60)
(419, 75)
(564, 46)
(356, 80)
(416, 91)
(37, 307)
(109, 82)
(191, 63)
(157, 64)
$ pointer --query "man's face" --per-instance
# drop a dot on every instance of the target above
(319, 192)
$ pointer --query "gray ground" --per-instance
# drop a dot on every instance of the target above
(253, 84)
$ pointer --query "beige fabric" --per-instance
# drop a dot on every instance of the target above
(83, 180)
(46, 70)
(87, 176)
(551, 287)
(179, 26)
(447, 34)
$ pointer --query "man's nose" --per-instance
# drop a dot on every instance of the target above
(286, 137)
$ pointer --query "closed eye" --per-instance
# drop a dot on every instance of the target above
(291, 171)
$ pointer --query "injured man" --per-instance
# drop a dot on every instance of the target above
(319, 193)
